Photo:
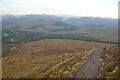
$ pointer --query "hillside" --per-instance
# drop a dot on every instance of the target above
(47, 46)
(51, 23)
(45, 58)
(44, 46)
(38, 25)
(111, 59)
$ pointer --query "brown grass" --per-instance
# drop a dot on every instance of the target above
(54, 46)
(110, 65)
(49, 58)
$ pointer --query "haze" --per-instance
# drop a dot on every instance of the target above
(77, 8)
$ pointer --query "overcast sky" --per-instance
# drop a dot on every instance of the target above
(91, 8)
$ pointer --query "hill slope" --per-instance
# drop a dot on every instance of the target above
(111, 63)
(47, 58)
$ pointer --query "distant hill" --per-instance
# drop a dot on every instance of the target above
(51, 23)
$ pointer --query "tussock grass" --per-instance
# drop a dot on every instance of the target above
(110, 65)
(50, 58)
(52, 66)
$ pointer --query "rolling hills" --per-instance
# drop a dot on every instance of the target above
(104, 29)
(51, 23)
(48, 46)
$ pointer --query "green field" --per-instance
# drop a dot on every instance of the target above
(17, 36)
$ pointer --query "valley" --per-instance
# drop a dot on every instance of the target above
(48, 46)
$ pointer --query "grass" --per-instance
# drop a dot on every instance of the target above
(50, 46)
(110, 65)
(8, 48)
(50, 58)
(52, 66)
(66, 67)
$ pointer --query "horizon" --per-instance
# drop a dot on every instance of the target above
(59, 16)
(73, 8)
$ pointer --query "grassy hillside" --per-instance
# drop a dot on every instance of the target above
(7, 49)
(110, 66)
(61, 46)
(49, 58)
(39, 66)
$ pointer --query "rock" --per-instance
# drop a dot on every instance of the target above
(101, 59)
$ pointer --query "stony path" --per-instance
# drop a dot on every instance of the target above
(91, 67)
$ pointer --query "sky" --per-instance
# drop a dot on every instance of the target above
(77, 8)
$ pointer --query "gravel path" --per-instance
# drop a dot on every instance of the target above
(91, 67)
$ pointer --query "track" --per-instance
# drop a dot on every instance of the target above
(91, 67)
